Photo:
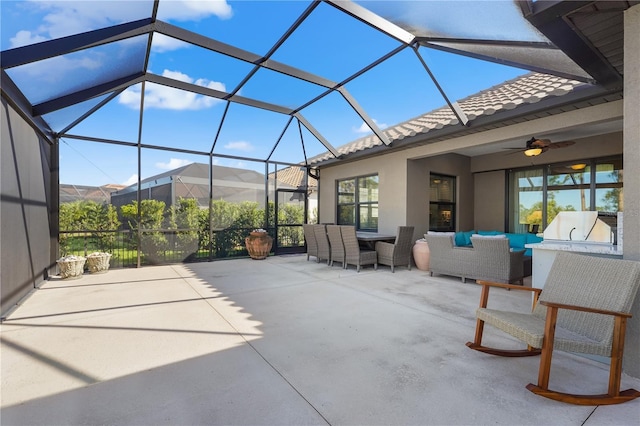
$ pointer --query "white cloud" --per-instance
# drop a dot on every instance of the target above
(63, 18)
(62, 66)
(239, 146)
(162, 43)
(133, 180)
(163, 97)
(193, 10)
(365, 129)
(24, 38)
(173, 163)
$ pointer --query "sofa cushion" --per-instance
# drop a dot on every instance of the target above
(490, 232)
(489, 236)
(464, 238)
(453, 234)
(517, 240)
(533, 239)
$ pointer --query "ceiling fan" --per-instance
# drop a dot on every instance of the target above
(537, 146)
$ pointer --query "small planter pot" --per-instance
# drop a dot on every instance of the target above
(71, 267)
(421, 254)
(258, 244)
(98, 262)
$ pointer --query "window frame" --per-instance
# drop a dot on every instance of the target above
(357, 205)
(593, 185)
(440, 203)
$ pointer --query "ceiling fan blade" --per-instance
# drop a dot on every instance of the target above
(562, 144)
(541, 143)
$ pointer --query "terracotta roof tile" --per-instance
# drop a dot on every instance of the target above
(527, 89)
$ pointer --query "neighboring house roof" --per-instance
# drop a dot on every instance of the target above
(199, 171)
(99, 194)
(511, 96)
(192, 181)
(294, 177)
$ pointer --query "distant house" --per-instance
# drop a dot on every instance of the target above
(99, 194)
(297, 178)
(192, 181)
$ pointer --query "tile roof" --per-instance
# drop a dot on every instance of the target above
(294, 177)
(527, 89)
(99, 194)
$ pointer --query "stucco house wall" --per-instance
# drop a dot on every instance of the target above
(392, 175)
(404, 188)
(489, 200)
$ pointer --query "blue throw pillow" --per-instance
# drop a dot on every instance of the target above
(464, 238)
(467, 237)
(517, 241)
(533, 239)
(489, 232)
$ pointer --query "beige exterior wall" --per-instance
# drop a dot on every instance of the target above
(404, 189)
(489, 201)
(392, 175)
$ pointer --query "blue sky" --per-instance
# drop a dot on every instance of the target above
(328, 44)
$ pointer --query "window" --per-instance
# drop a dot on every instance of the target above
(538, 195)
(358, 202)
(526, 200)
(442, 203)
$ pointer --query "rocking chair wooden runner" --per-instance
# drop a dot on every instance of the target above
(583, 308)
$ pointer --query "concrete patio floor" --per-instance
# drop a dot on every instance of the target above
(282, 341)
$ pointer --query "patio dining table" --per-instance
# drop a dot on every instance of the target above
(368, 239)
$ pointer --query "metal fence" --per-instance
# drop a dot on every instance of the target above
(163, 246)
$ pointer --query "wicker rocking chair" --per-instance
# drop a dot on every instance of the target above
(583, 308)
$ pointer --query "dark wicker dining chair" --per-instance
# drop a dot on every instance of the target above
(399, 252)
(337, 247)
(354, 255)
(310, 239)
(324, 249)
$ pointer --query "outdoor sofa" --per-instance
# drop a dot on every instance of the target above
(517, 241)
(489, 258)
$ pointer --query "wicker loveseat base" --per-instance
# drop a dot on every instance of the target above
(489, 259)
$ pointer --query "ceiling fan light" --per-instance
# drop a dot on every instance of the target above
(578, 166)
(532, 152)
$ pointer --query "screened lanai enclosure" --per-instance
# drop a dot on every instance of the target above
(199, 121)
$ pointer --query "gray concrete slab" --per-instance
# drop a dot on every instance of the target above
(278, 341)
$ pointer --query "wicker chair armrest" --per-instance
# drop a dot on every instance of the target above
(486, 286)
(585, 309)
(385, 249)
(510, 286)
